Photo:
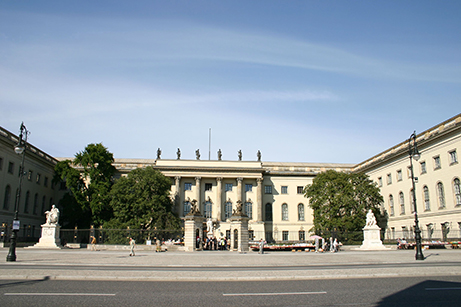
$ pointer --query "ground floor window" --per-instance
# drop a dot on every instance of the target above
(285, 235)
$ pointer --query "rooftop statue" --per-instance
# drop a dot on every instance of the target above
(219, 154)
(197, 154)
(240, 155)
(159, 153)
(259, 156)
(178, 154)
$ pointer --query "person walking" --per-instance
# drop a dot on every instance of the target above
(158, 245)
(93, 243)
(132, 244)
(261, 246)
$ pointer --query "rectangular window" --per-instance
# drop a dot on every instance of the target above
(389, 179)
(11, 167)
(29, 175)
(399, 175)
(37, 180)
(1, 164)
(251, 234)
(268, 189)
(453, 157)
(248, 187)
(228, 187)
(187, 186)
(208, 186)
(284, 189)
(300, 189)
(380, 181)
(285, 235)
(409, 172)
(437, 164)
(45, 183)
(423, 167)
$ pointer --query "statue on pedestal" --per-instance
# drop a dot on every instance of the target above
(371, 220)
(197, 154)
(240, 155)
(219, 154)
(52, 216)
(159, 153)
(259, 156)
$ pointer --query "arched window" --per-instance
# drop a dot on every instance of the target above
(269, 212)
(427, 203)
(43, 203)
(208, 207)
(249, 209)
(26, 203)
(300, 212)
(402, 203)
(34, 210)
(284, 212)
(228, 209)
(391, 205)
(441, 195)
(457, 190)
(186, 207)
(7, 199)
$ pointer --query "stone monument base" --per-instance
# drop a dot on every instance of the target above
(371, 239)
(50, 237)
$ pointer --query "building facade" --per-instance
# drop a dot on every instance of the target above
(38, 192)
(271, 193)
(437, 175)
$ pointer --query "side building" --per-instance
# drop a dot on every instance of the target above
(37, 192)
(437, 175)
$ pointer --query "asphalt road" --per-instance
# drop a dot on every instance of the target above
(403, 291)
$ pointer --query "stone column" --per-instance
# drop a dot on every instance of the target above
(198, 192)
(239, 188)
(177, 195)
(192, 225)
(259, 200)
(219, 202)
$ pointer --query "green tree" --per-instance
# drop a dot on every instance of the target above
(142, 200)
(89, 178)
(341, 200)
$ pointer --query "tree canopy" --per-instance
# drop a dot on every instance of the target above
(341, 200)
(89, 177)
(141, 200)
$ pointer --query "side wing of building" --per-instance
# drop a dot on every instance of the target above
(437, 188)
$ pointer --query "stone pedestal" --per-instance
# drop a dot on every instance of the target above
(371, 239)
(50, 237)
(239, 233)
(193, 226)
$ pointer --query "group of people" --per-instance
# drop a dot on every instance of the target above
(212, 243)
(333, 246)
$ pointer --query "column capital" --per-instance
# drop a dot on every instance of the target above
(219, 179)
(239, 179)
(177, 178)
(259, 180)
(198, 178)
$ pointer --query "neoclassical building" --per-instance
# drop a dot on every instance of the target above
(272, 192)
(38, 192)
(437, 188)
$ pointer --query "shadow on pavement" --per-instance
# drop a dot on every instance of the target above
(428, 293)
(26, 282)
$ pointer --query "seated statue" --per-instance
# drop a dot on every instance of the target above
(371, 220)
(52, 216)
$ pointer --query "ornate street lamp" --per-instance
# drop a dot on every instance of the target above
(414, 154)
(20, 149)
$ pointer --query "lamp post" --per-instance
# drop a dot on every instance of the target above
(414, 154)
(20, 149)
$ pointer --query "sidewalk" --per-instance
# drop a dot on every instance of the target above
(224, 265)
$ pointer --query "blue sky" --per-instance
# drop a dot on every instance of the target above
(302, 81)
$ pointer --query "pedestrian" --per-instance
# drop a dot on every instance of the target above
(158, 246)
(93, 243)
(336, 245)
(261, 246)
(132, 244)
